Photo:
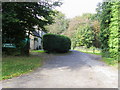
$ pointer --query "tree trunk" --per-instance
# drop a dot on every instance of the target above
(25, 49)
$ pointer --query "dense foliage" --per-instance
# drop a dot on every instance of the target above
(84, 31)
(19, 19)
(108, 13)
(99, 30)
(104, 18)
(84, 36)
(60, 24)
(56, 43)
(114, 30)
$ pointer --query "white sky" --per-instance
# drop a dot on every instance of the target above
(72, 8)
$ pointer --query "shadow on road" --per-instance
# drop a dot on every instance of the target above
(72, 60)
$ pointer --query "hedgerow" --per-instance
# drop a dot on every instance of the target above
(56, 43)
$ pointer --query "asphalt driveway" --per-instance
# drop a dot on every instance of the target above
(71, 70)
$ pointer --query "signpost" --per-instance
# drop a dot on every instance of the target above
(8, 45)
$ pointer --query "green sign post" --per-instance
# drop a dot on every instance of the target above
(8, 45)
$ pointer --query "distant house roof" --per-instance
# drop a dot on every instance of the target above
(36, 34)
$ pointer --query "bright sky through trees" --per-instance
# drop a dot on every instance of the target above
(72, 8)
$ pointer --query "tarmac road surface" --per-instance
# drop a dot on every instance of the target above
(71, 70)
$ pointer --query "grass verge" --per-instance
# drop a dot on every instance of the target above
(92, 53)
(16, 66)
(108, 61)
(41, 51)
(89, 52)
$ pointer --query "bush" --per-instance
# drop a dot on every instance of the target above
(56, 43)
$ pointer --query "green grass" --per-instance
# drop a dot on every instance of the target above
(16, 66)
(92, 53)
(89, 51)
(110, 61)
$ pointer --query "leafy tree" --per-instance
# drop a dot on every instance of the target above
(84, 30)
(74, 24)
(19, 19)
(60, 24)
(104, 17)
(96, 31)
(114, 30)
(108, 13)
(84, 36)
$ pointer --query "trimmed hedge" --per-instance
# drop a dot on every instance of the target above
(56, 43)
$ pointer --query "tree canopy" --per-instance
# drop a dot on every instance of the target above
(19, 18)
(108, 13)
(60, 24)
(84, 31)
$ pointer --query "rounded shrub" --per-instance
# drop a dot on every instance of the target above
(56, 43)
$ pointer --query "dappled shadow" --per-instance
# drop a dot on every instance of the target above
(72, 60)
(66, 70)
